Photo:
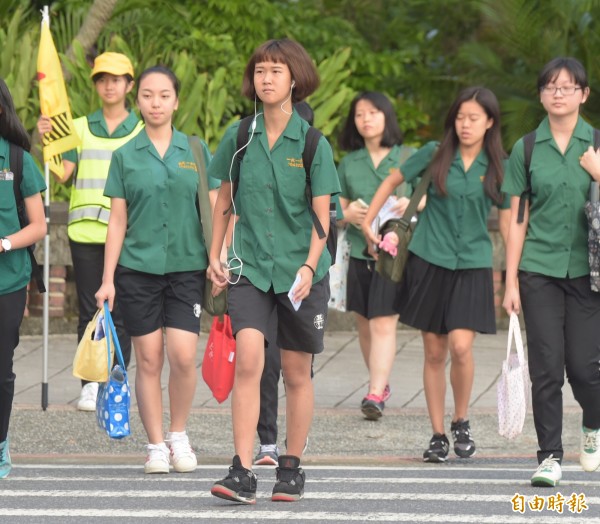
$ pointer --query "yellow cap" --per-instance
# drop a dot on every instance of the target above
(113, 63)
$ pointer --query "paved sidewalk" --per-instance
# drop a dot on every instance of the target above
(339, 431)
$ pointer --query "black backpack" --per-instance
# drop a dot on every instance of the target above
(313, 136)
(528, 144)
(16, 166)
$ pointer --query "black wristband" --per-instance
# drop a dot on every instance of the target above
(309, 267)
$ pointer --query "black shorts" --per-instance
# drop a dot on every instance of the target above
(368, 293)
(149, 302)
(301, 330)
(439, 300)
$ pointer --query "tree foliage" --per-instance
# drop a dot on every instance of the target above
(418, 52)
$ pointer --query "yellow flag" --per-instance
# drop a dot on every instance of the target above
(54, 103)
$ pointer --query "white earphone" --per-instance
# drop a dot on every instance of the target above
(293, 84)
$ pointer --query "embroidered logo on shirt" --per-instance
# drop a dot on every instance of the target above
(319, 321)
(197, 310)
(6, 175)
(188, 165)
(295, 162)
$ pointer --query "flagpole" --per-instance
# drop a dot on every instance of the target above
(47, 294)
(46, 311)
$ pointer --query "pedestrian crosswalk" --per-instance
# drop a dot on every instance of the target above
(69, 493)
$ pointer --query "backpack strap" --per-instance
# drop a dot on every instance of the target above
(16, 166)
(311, 143)
(596, 138)
(203, 199)
(241, 142)
(528, 143)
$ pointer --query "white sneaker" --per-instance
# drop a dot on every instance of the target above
(548, 473)
(183, 457)
(589, 458)
(157, 460)
(87, 399)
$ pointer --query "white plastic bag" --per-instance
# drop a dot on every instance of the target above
(513, 388)
(338, 273)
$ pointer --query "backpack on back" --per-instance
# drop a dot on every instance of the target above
(528, 144)
(16, 166)
(313, 136)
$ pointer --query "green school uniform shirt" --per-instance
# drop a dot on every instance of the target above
(98, 127)
(164, 234)
(556, 242)
(360, 179)
(273, 233)
(452, 231)
(15, 266)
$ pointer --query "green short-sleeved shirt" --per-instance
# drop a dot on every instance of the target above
(15, 266)
(273, 234)
(98, 127)
(360, 179)
(452, 230)
(164, 234)
(556, 243)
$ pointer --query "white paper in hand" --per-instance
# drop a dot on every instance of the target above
(295, 303)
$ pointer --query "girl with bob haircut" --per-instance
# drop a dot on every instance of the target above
(15, 265)
(447, 290)
(275, 251)
(372, 136)
(547, 266)
(155, 263)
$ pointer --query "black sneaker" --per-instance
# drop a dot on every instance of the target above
(438, 449)
(238, 486)
(289, 486)
(372, 407)
(464, 446)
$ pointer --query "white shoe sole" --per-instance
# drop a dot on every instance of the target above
(158, 468)
(85, 407)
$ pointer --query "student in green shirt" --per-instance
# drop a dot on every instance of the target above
(15, 266)
(372, 136)
(447, 290)
(155, 263)
(101, 133)
(547, 267)
(275, 251)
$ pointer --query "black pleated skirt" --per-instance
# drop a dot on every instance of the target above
(438, 300)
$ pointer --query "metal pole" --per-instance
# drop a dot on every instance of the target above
(46, 312)
(47, 293)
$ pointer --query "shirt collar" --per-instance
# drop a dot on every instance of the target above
(293, 130)
(581, 131)
(178, 139)
(482, 157)
(97, 117)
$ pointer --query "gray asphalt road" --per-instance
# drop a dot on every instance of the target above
(487, 491)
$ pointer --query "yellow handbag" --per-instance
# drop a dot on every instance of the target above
(90, 359)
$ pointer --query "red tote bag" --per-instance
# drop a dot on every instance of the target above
(218, 366)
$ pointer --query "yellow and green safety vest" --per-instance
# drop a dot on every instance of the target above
(89, 209)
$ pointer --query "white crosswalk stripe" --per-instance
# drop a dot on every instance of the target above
(57, 494)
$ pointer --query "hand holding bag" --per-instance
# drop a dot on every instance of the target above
(392, 266)
(514, 388)
(89, 362)
(212, 305)
(218, 365)
(114, 395)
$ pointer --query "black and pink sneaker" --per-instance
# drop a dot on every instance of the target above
(372, 406)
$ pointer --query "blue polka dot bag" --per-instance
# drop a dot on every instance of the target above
(114, 396)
